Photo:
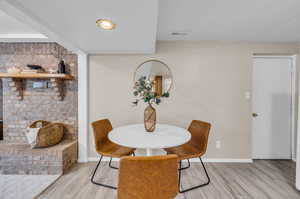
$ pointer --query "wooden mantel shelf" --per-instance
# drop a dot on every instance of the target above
(17, 82)
(36, 76)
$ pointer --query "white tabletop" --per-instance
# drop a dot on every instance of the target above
(135, 136)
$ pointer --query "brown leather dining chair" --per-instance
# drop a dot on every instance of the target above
(105, 147)
(195, 148)
(151, 177)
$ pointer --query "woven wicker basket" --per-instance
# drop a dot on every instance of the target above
(49, 133)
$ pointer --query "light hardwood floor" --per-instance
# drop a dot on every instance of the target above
(24, 186)
(263, 179)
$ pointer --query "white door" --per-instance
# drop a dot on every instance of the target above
(271, 106)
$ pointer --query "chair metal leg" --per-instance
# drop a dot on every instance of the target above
(111, 165)
(133, 154)
(183, 168)
(179, 176)
(97, 183)
(195, 187)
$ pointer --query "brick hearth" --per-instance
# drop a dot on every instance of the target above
(21, 159)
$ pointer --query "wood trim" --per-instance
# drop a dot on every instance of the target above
(17, 82)
(36, 76)
(225, 160)
(237, 160)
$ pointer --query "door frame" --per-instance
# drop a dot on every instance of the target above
(294, 92)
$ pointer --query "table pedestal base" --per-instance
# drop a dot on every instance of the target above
(149, 152)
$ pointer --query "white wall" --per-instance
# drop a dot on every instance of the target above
(210, 81)
(298, 127)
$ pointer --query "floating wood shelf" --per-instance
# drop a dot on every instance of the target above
(17, 82)
(36, 76)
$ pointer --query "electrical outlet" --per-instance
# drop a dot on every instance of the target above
(218, 144)
(247, 95)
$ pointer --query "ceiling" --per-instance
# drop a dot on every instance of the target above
(75, 21)
(14, 29)
(252, 20)
(141, 22)
(10, 25)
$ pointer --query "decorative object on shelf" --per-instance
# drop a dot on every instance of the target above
(152, 82)
(33, 69)
(14, 70)
(52, 71)
(30, 71)
(61, 67)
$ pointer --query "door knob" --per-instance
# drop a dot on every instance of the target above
(254, 114)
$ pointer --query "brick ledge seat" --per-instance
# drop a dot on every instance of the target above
(21, 159)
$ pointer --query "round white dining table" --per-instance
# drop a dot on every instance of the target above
(135, 136)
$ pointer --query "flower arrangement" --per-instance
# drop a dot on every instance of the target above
(143, 90)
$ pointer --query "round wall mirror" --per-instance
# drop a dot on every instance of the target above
(158, 73)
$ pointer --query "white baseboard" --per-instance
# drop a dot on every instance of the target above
(233, 160)
(82, 160)
(96, 159)
(228, 160)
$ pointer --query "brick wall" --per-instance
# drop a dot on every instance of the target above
(37, 103)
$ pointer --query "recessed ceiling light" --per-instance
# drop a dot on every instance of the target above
(105, 24)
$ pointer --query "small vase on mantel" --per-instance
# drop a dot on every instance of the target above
(150, 118)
